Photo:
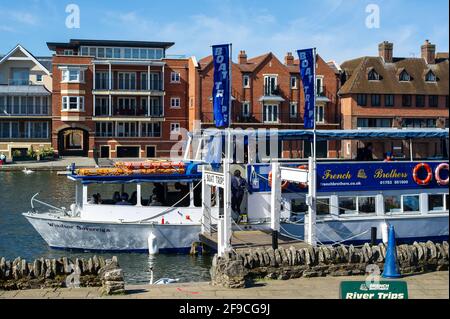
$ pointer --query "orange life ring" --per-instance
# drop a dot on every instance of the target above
(284, 184)
(437, 174)
(303, 185)
(426, 180)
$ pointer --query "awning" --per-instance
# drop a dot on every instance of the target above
(34, 90)
(355, 134)
(271, 98)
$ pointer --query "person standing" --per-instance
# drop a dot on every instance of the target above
(238, 187)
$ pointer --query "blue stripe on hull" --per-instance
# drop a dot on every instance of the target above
(184, 250)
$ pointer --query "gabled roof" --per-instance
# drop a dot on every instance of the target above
(27, 54)
(251, 65)
(357, 81)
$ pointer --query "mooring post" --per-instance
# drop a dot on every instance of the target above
(275, 203)
(274, 239)
(373, 236)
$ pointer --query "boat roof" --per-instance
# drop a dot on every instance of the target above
(354, 134)
(135, 178)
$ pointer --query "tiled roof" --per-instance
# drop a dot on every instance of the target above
(357, 81)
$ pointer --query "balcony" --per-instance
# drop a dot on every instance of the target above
(116, 111)
(258, 118)
(131, 87)
(322, 95)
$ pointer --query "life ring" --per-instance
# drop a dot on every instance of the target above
(426, 180)
(437, 174)
(284, 184)
(303, 185)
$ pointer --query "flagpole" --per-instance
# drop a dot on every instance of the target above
(313, 185)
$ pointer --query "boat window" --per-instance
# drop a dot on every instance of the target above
(366, 205)
(411, 203)
(347, 205)
(436, 203)
(393, 204)
(298, 205)
(165, 194)
(446, 202)
(198, 194)
(112, 194)
(323, 206)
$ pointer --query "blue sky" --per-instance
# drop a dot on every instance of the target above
(336, 27)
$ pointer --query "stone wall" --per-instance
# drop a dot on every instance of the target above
(234, 270)
(62, 272)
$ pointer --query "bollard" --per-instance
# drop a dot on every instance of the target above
(274, 239)
(373, 236)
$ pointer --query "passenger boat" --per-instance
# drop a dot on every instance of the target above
(166, 225)
(352, 196)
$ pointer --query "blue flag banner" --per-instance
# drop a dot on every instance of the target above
(307, 70)
(222, 85)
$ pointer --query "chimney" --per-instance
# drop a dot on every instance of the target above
(289, 59)
(428, 52)
(242, 57)
(386, 51)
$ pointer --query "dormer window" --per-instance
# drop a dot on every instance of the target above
(404, 76)
(430, 77)
(373, 75)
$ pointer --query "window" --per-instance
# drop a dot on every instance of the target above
(406, 100)
(127, 129)
(175, 102)
(144, 54)
(430, 77)
(293, 82)
(420, 100)
(375, 99)
(293, 110)
(20, 76)
(109, 53)
(73, 103)
(100, 52)
(374, 122)
(150, 129)
(126, 106)
(93, 52)
(410, 203)
(393, 204)
(320, 114)
(104, 129)
(366, 205)
(101, 80)
(75, 75)
(419, 123)
(84, 51)
(323, 206)
(174, 127)
(246, 81)
(127, 53)
(151, 151)
(373, 75)
(319, 86)
(299, 205)
(389, 100)
(270, 85)
(361, 99)
(127, 81)
(347, 205)
(116, 53)
(433, 101)
(101, 106)
(404, 76)
(144, 81)
(246, 109)
(175, 77)
(68, 52)
(270, 113)
(436, 203)
(135, 53)
(38, 78)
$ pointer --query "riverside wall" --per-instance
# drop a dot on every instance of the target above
(236, 270)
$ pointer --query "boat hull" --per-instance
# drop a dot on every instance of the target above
(65, 233)
(357, 231)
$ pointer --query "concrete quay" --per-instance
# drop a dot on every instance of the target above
(434, 285)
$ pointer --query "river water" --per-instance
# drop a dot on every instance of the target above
(18, 237)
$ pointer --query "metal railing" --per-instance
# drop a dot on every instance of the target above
(258, 118)
(155, 111)
(13, 110)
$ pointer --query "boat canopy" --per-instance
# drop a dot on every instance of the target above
(135, 178)
(354, 134)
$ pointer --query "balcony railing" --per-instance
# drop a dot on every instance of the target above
(155, 111)
(261, 118)
(24, 110)
(19, 82)
(133, 86)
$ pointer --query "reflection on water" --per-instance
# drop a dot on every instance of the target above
(18, 237)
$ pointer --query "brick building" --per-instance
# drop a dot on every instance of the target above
(267, 93)
(117, 98)
(387, 91)
(25, 103)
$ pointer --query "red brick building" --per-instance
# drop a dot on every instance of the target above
(267, 93)
(386, 91)
(117, 98)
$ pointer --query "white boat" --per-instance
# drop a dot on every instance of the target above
(108, 226)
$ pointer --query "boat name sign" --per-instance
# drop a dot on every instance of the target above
(214, 179)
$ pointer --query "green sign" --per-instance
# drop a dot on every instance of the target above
(373, 290)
